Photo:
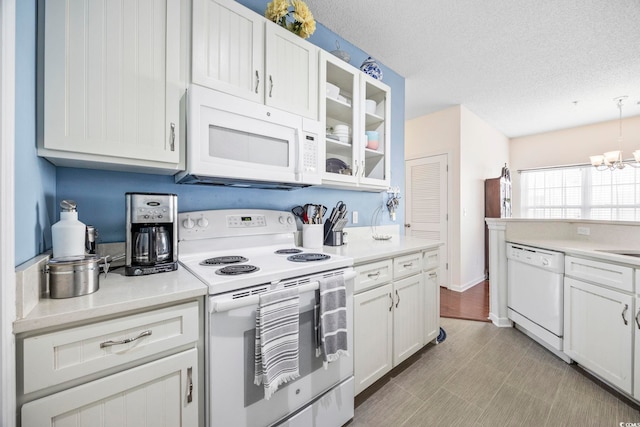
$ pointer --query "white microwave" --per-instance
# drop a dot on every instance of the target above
(233, 141)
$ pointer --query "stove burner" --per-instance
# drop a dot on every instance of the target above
(288, 251)
(232, 270)
(221, 260)
(308, 257)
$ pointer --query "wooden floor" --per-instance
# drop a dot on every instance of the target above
(472, 304)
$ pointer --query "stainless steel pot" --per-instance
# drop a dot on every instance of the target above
(73, 276)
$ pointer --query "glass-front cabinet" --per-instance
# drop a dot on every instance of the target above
(355, 111)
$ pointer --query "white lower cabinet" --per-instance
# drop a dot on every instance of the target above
(408, 325)
(139, 369)
(373, 335)
(159, 393)
(395, 315)
(598, 331)
(636, 352)
(431, 306)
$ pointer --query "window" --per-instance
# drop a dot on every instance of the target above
(581, 193)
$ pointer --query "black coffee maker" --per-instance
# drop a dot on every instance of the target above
(152, 233)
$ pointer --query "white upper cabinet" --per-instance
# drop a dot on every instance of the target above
(113, 84)
(355, 103)
(228, 48)
(237, 51)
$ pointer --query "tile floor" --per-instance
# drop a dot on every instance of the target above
(482, 375)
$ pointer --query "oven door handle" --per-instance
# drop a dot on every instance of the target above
(221, 306)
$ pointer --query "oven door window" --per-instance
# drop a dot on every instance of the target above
(307, 360)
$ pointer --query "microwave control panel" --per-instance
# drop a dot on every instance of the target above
(310, 154)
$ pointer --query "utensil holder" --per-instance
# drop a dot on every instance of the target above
(312, 237)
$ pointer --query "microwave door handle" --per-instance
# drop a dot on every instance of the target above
(298, 154)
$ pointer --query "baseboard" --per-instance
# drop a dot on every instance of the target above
(501, 322)
(468, 285)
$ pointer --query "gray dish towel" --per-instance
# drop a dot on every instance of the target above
(331, 319)
(277, 336)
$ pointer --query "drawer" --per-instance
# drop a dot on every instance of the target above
(600, 273)
(372, 275)
(430, 259)
(407, 265)
(61, 356)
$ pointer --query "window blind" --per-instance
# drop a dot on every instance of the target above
(581, 193)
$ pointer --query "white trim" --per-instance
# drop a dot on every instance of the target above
(7, 224)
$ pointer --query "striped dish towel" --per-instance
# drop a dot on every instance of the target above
(331, 319)
(277, 330)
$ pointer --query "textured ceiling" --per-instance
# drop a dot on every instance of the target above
(519, 65)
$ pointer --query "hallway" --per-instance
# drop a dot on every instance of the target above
(472, 304)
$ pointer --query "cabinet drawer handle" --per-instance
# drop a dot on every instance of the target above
(624, 314)
(270, 85)
(374, 276)
(637, 318)
(407, 265)
(257, 80)
(173, 137)
(432, 275)
(398, 301)
(189, 385)
(391, 298)
(125, 341)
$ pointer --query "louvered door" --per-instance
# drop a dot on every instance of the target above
(426, 216)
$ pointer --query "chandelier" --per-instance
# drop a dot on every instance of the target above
(612, 160)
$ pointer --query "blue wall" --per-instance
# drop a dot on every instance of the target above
(35, 178)
(100, 194)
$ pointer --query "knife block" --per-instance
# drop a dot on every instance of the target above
(332, 238)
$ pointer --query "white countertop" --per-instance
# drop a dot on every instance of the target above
(117, 294)
(588, 249)
(368, 250)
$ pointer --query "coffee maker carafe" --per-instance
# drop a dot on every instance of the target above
(152, 233)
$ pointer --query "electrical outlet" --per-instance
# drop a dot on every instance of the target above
(354, 217)
(584, 231)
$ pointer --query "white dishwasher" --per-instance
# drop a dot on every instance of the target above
(535, 294)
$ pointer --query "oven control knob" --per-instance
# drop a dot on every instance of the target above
(188, 223)
(203, 222)
(281, 219)
(289, 220)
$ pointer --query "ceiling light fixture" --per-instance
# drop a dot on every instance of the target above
(612, 160)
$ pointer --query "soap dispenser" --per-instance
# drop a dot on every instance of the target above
(68, 234)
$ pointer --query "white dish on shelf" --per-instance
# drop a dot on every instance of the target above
(370, 106)
(333, 91)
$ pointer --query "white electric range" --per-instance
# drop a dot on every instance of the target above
(240, 254)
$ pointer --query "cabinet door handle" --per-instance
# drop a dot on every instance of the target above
(125, 341)
(173, 137)
(270, 85)
(398, 301)
(362, 169)
(391, 298)
(357, 169)
(624, 314)
(637, 318)
(432, 275)
(257, 80)
(374, 276)
(189, 385)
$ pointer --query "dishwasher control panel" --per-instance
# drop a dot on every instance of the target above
(543, 258)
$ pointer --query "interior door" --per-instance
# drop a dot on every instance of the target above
(427, 208)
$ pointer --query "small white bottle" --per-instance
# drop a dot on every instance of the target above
(68, 234)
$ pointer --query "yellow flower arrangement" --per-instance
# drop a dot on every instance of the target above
(298, 20)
